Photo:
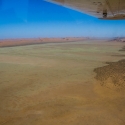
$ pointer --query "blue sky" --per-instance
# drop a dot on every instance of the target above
(37, 18)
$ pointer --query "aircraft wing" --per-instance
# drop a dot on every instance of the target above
(103, 9)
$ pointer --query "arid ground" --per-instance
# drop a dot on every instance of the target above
(24, 42)
(70, 83)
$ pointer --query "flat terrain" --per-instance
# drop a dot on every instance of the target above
(71, 83)
(24, 42)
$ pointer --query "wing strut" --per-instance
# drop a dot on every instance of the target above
(109, 6)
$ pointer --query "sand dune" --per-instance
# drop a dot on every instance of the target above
(112, 76)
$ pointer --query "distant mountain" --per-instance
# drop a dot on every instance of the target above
(119, 39)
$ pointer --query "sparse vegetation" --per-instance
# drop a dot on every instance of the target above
(54, 84)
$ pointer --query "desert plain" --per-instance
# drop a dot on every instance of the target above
(63, 83)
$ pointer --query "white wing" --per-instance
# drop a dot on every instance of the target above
(103, 9)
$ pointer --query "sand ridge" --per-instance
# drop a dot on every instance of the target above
(112, 75)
